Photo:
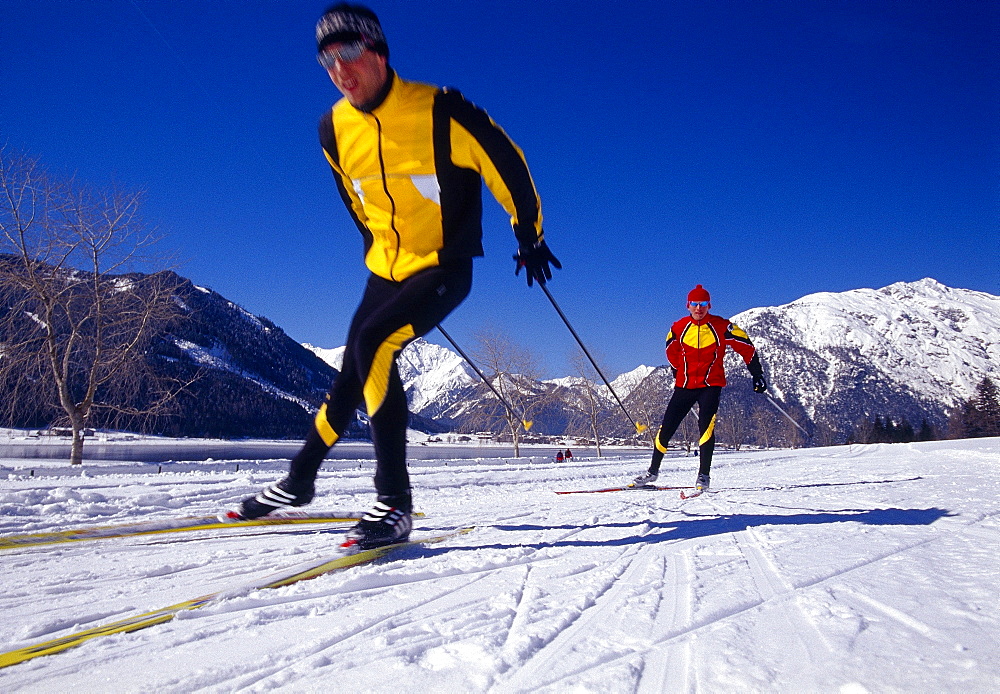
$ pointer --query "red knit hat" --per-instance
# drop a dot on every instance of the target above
(699, 293)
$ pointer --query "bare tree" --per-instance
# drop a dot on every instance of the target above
(513, 372)
(825, 434)
(734, 424)
(649, 399)
(791, 434)
(688, 430)
(766, 424)
(584, 400)
(75, 319)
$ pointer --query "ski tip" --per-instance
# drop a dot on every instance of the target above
(352, 546)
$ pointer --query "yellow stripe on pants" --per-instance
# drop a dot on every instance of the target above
(659, 446)
(323, 427)
(708, 432)
(377, 383)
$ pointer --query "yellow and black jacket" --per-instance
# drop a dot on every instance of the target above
(409, 172)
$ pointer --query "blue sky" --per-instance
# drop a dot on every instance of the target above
(767, 150)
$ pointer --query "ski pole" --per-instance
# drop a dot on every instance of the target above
(638, 427)
(788, 416)
(524, 422)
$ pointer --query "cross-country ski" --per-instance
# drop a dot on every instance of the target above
(104, 532)
(626, 488)
(293, 574)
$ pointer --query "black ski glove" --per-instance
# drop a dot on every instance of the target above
(535, 260)
(757, 371)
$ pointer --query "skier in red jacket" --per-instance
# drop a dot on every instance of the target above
(695, 348)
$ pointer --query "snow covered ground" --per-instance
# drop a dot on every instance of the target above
(847, 569)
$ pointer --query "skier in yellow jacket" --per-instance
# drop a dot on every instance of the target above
(408, 159)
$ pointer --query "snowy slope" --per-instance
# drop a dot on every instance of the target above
(912, 348)
(624, 385)
(846, 569)
(433, 376)
(627, 382)
(334, 357)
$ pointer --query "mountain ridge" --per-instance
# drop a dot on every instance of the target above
(910, 350)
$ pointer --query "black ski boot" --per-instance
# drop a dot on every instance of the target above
(388, 523)
(281, 494)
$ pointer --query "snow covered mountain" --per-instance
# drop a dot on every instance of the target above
(910, 350)
(433, 376)
(628, 382)
(244, 376)
(333, 357)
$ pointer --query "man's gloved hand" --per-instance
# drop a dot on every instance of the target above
(535, 261)
(757, 371)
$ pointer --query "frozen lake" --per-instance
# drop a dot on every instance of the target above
(51, 457)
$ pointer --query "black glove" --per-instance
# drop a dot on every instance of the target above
(757, 371)
(535, 260)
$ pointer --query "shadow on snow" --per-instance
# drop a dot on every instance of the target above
(701, 526)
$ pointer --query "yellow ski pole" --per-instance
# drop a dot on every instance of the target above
(524, 422)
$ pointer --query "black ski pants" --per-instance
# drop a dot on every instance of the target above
(390, 316)
(680, 404)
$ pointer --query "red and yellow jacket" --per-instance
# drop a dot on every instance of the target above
(410, 171)
(696, 349)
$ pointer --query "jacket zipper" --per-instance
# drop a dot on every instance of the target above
(392, 202)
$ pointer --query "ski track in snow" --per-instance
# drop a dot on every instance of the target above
(845, 569)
